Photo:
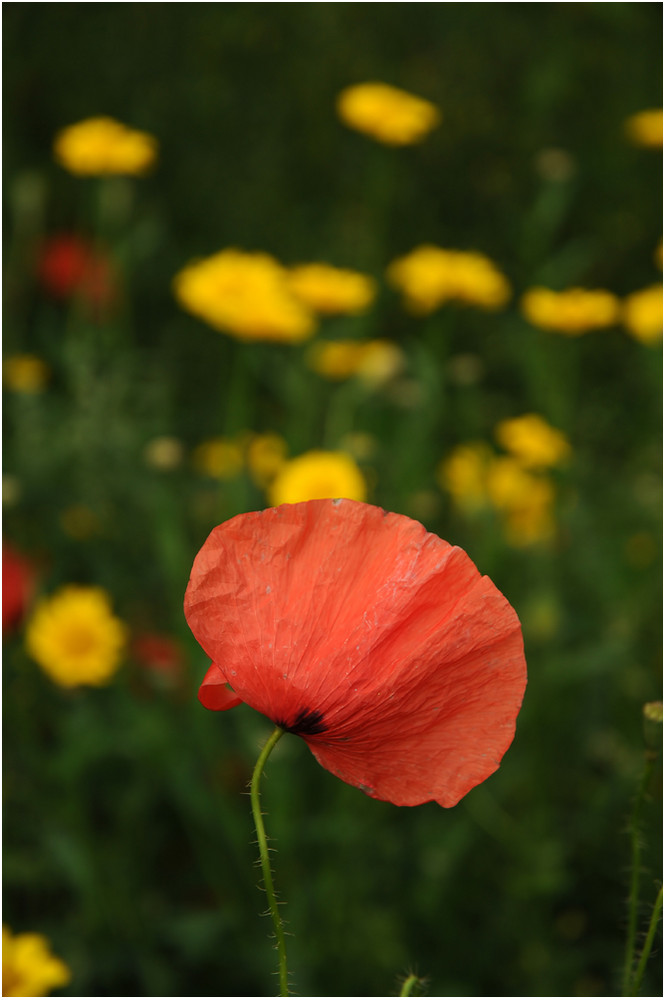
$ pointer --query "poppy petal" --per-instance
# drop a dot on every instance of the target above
(379, 643)
(214, 693)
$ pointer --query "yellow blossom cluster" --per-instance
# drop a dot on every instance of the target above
(226, 458)
(246, 295)
(372, 361)
(514, 484)
(103, 145)
(29, 968)
(643, 314)
(387, 114)
(332, 290)
(25, 373)
(318, 475)
(311, 476)
(429, 276)
(265, 456)
(254, 298)
(75, 638)
(646, 128)
(573, 311)
(533, 442)
(219, 458)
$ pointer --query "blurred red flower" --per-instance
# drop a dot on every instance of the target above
(158, 653)
(18, 584)
(380, 644)
(71, 266)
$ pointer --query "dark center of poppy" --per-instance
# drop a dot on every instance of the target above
(306, 723)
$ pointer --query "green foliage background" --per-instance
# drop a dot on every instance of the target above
(127, 833)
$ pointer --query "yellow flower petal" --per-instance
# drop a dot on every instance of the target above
(29, 969)
(573, 312)
(246, 295)
(104, 146)
(429, 276)
(75, 638)
(318, 475)
(387, 114)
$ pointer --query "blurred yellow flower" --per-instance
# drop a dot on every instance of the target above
(266, 454)
(430, 276)
(531, 521)
(318, 475)
(478, 479)
(29, 968)
(524, 500)
(164, 453)
(463, 474)
(508, 482)
(643, 314)
(104, 146)
(331, 290)
(533, 442)
(386, 113)
(25, 373)
(373, 361)
(246, 295)
(573, 311)
(646, 128)
(654, 711)
(219, 458)
(74, 636)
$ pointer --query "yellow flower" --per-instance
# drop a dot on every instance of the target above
(463, 474)
(219, 458)
(318, 475)
(385, 113)
(75, 638)
(646, 128)
(331, 290)
(430, 276)
(164, 453)
(533, 442)
(573, 311)
(246, 295)
(104, 146)
(654, 711)
(524, 500)
(29, 969)
(266, 454)
(531, 521)
(25, 373)
(373, 361)
(476, 479)
(643, 314)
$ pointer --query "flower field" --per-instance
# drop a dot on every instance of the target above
(399, 268)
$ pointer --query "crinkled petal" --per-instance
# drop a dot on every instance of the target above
(379, 643)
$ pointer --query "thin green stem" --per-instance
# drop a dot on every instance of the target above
(634, 833)
(647, 945)
(265, 860)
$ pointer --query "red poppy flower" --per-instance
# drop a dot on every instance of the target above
(69, 265)
(159, 653)
(380, 644)
(18, 582)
